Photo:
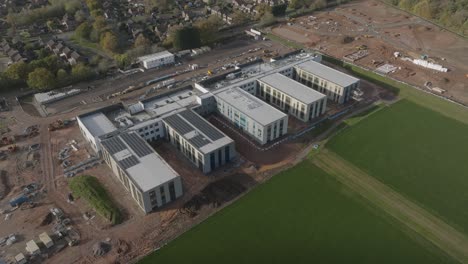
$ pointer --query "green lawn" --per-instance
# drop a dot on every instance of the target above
(418, 152)
(300, 216)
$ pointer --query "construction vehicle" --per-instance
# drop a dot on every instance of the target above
(12, 148)
(361, 47)
(368, 36)
(209, 72)
(58, 124)
(7, 141)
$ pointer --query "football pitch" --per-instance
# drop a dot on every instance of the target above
(301, 215)
(416, 151)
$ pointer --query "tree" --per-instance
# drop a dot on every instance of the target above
(51, 24)
(239, 18)
(161, 5)
(72, 6)
(187, 38)
(41, 78)
(83, 31)
(279, 10)
(267, 19)
(97, 13)
(93, 4)
(262, 9)
(41, 53)
(81, 72)
(109, 42)
(123, 60)
(80, 16)
(142, 41)
(318, 4)
(103, 66)
(18, 71)
(99, 23)
(208, 28)
(423, 9)
(62, 77)
(53, 63)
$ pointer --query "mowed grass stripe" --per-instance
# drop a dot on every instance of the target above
(302, 215)
(428, 226)
(416, 151)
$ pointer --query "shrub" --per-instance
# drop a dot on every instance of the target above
(89, 188)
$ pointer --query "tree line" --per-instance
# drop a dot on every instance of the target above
(452, 14)
(48, 71)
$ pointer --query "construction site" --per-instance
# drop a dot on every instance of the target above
(388, 41)
(42, 150)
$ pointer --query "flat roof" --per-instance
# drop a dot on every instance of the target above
(292, 88)
(143, 165)
(250, 105)
(328, 73)
(45, 238)
(155, 56)
(32, 246)
(54, 95)
(198, 131)
(97, 124)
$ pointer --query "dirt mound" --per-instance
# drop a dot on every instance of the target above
(214, 195)
(47, 219)
(4, 188)
(101, 248)
(122, 247)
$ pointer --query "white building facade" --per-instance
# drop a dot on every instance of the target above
(292, 97)
(259, 120)
(205, 146)
(149, 180)
(336, 85)
(157, 59)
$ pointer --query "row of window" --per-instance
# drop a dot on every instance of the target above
(148, 127)
(136, 194)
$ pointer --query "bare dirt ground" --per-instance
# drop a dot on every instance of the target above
(385, 30)
(138, 234)
(406, 212)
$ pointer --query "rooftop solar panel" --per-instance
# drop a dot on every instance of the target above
(129, 162)
(137, 144)
(113, 145)
(202, 125)
(199, 141)
(178, 124)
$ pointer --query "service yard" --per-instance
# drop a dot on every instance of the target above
(377, 32)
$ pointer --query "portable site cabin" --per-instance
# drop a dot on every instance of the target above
(45, 238)
(32, 248)
(20, 259)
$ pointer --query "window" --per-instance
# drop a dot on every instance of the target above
(172, 193)
(227, 154)
(220, 154)
(163, 195)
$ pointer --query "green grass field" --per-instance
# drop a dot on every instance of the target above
(418, 152)
(300, 216)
